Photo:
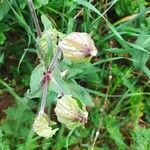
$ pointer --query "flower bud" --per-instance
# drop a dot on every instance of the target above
(70, 112)
(78, 47)
(41, 126)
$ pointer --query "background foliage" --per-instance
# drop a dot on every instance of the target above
(118, 80)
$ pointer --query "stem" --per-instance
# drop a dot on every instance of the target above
(35, 19)
(47, 79)
(54, 60)
(67, 140)
(44, 96)
(58, 86)
(95, 138)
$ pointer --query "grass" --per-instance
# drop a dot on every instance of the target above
(117, 80)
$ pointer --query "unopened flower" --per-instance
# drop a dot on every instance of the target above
(71, 112)
(41, 126)
(78, 47)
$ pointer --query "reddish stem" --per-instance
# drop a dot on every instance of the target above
(45, 82)
(47, 79)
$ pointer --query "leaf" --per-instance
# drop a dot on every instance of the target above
(3, 28)
(4, 9)
(136, 110)
(70, 25)
(40, 3)
(46, 45)
(127, 7)
(141, 140)
(17, 121)
(117, 50)
(146, 70)
(2, 38)
(84, 71)
(63, 87)
(19, 16)
(36, 79)
(142, 57)
(22, 3)
(88, 5)
(69, 86)
(90, 74)
(80, 93)
(113, 129)
(46, 22)
(74, 72)
(4, 144)
(30, 142)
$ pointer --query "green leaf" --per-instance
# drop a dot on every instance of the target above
(16, 121)
(136, 110)
(88, 5)
(4, 9)
(2, 38)
(22, 3)
(141, 140)
(90, 74)
(4, 144)
(46, 22)
(40, 3)
(127, 7)
(80, 93)
(36, 79)
(3, 28)
(73, 72)
(61, 83)
(70, 25)
(146, 70)
(84, 71)
(46, 45)
(113, 129)
(117, 50)
(142, 57)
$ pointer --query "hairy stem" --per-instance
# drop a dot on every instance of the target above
(54, 60)
(47, 78)
(35, 19)
(50, 69)
(44, 96)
